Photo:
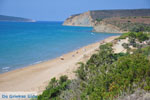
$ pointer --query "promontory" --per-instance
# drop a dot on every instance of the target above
(111, 21)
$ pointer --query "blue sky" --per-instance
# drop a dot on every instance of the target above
(59, 10)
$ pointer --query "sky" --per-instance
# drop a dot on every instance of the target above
(59, 10)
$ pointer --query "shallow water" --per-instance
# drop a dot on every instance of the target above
(23, 44)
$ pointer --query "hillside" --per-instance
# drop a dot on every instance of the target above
(122, 24)
(92, 18)
(119, 70)
(14, 19)
(119, 13)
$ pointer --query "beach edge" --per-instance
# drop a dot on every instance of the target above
(36, 77)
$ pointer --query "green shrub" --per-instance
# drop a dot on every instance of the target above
(99, 19)
(140, 28)
(63, 78)
(123, 36)
(106, 75)
(120, 76)
(109, 78)
(141, 36)
(125, 45)
(53, 90)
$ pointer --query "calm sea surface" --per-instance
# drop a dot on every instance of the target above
(23, 44)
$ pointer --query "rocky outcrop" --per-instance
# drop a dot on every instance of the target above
(90, 18)
(79, 20)
(107, 28)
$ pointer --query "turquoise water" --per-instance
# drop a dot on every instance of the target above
(23, 44)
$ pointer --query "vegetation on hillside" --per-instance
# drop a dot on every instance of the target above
(53, 90)
(119, 13)
(106, 75)
(140, 36)
(99, 19)
(140, 28)
(131, 23)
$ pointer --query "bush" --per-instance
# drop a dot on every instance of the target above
(53, 90)
(123, 36)
(105, 76)
(99, 19)
(108, 78)
(63, 78)
(141, 36)
(119, 77)
(125, 45)
(140, 28)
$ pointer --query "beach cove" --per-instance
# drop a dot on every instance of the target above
(36, 77)
(24, 44)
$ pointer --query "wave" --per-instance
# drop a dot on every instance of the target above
(92, 33)
(37, 62)
(5, 68)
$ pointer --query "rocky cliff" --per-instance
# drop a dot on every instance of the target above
(107, 28)
(80, 20)
(93, 18)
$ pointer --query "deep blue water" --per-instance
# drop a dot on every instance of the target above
(23, 44)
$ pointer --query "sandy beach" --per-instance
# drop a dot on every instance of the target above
(36, 77)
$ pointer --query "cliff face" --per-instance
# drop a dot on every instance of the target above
(91, 18)
(79, 20)
(107, 28)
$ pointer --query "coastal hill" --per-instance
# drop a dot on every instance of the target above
(14, 19)
(122, 24)
(95, 19)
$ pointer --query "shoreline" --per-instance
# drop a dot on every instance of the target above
(36, 77)
(41, 61)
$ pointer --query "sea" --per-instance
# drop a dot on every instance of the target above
(27, 43)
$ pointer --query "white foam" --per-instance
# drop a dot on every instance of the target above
(37, 62)
(92, 33)
(5, 68)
